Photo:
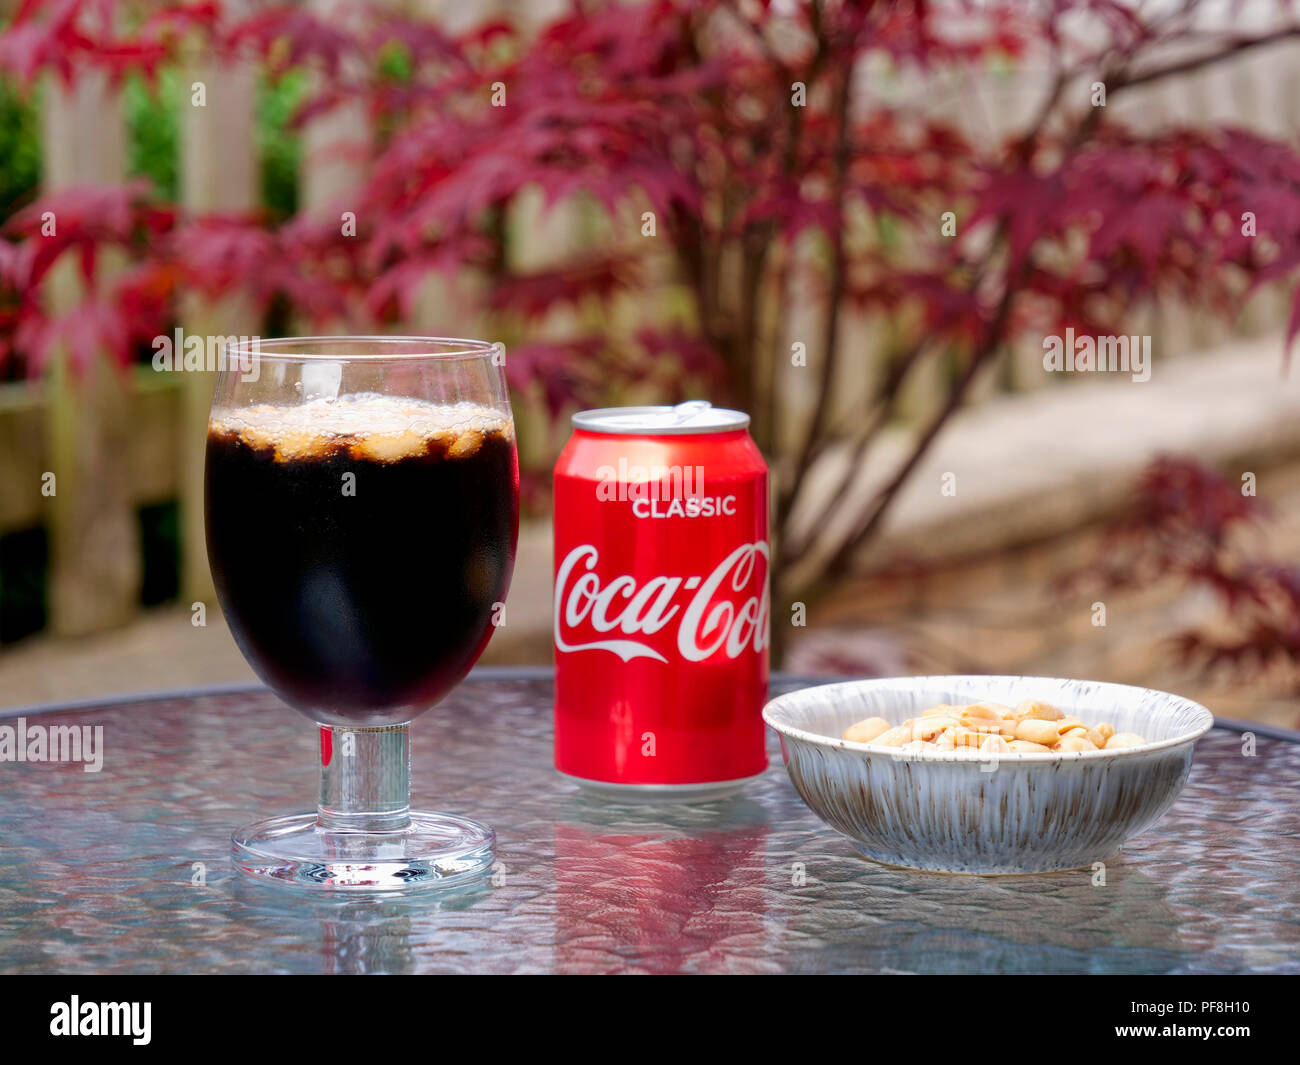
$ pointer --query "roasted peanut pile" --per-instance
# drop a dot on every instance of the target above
(1031, 727)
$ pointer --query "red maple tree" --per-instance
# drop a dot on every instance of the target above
(775, 172)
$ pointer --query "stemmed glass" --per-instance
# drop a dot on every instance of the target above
(362, 499)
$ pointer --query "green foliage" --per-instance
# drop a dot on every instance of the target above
(20, 147)
(395, 63)
(278, 143)
(153, 131)
(153, 116)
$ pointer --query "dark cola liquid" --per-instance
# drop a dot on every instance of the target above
(361, 600)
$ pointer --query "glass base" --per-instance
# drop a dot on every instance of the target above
(295, 851)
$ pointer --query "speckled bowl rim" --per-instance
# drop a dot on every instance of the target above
(1130, 692)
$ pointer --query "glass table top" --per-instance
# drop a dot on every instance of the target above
(127, 869)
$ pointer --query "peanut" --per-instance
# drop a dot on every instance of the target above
(895, 737)
(927, 728)
(1033, 730)
(1038, 711)
(866, 730)
(964, 737)
(981, 711)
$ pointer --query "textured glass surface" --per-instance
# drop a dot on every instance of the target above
(97, 870)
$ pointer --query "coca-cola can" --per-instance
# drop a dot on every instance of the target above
(662, 604)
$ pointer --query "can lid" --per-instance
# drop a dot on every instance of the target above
(693, 416)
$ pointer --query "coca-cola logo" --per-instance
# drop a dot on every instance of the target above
(710, 621)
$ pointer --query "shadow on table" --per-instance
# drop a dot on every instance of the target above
(359, 934)
(727, 889)
(870, 917)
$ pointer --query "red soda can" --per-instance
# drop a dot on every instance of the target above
(662, 604)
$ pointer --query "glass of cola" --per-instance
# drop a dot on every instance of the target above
(362, 505)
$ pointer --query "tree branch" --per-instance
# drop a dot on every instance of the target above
(830, 338)
(1235, 47)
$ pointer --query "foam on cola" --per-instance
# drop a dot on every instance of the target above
(369, 426)
(359, 545)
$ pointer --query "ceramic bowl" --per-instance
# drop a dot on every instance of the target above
(973, 813)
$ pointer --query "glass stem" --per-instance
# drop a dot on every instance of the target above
(365, 778)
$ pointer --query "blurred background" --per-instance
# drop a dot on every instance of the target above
(860, 222)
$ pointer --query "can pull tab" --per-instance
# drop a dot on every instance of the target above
(684, 412)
